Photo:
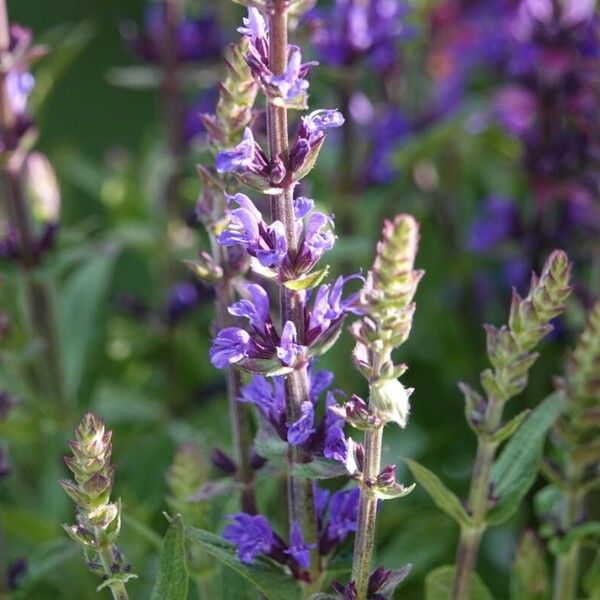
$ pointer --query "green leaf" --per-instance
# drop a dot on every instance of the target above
(438, 585)
(264, 574)
(83, 299)
(529, 577)
(440, 494)
(320, 468)
(509, 428)
(515, 470)
(391, 492)
(172, 582)
(308, 281)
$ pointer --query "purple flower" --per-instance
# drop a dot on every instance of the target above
(288, 350)
(255, 308)
(298, 548)
(255, 26)
(291, 83)
(329, 307)
(310, 134)
(498, 223)
(246, 227)
(336, 446)
(267, 394)
(343, 514)
(251, 534)
(19, 85)
(231, 346)
(246, 157)
(301, 430)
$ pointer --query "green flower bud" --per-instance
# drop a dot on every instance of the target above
(98, 519)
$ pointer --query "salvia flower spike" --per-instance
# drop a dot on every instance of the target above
(510, 352)
(386, 302)
(576, 439)
(98, 519)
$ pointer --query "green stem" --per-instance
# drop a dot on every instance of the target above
(117, 588)
(300, 491)
(470, 538)
(367, 515)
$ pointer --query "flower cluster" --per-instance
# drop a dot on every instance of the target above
(353, 29)
(325, 438)
(250, 163)
(336, 518)
(381, 586)
(98, 519)
(288, 89)
(552, 78)
(262, 349)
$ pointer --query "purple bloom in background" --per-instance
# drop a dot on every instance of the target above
(196, 39)
(183, 298)
(355, 29)
(301, 430)
(298, 548)
(386, 134)
(343, 514)
(19, 85)
(497, 223)
(251, 534)
(205, 103)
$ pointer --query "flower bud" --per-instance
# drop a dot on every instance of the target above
(390, 401)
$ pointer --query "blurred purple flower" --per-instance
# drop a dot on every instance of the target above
(196, 39)
(497, 223)
(352, 30)
(251, 534)
(301, 430)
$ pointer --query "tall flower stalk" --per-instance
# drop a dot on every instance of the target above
(387, 302)
(576, 441)
(23, 244)
(286, 251)
(510, 351)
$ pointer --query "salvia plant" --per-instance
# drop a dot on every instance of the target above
(281, 489)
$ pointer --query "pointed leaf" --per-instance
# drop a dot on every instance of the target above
(172, 579)
(308, 281)
(439, 583)
(515, 470)
(265, 574)
(509, 428)
(440, 494)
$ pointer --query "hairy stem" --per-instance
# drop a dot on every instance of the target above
(470, 538)
(118, 587)
(367, 515)
(300, 492)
